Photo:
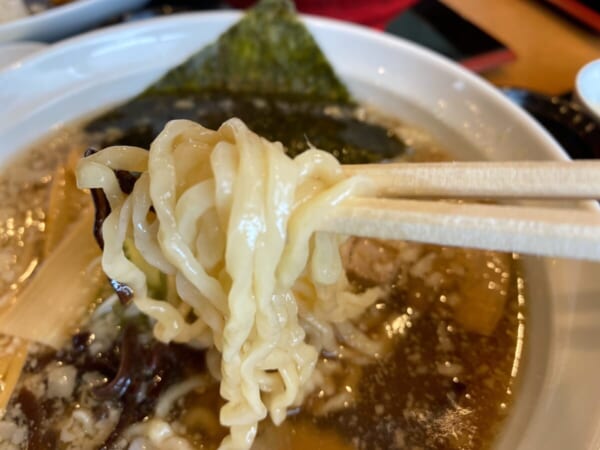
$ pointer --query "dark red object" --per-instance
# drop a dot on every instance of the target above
(487, 61)
(580, 11)
(372, 13)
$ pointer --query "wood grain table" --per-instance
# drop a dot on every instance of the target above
(549, 48)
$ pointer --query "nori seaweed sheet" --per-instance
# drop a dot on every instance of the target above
(269, 51)
(268, 71)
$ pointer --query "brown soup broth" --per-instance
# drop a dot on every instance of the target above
(441, 388)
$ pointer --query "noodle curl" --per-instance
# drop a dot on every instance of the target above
(229, 222)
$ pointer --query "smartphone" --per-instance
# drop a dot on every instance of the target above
(434, 25)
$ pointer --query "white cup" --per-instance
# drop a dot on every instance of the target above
(587, 87)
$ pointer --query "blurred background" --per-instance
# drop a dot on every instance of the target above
(536, 44)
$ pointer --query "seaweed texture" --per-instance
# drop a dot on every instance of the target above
(267, 70)
(269, 51)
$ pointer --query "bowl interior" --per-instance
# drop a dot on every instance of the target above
(557, 406)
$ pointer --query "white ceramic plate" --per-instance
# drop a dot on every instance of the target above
(61, 21)
(558, 406)
(13, 52)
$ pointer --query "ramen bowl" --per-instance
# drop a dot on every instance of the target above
(556, 403)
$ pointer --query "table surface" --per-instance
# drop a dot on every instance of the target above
(550, 49)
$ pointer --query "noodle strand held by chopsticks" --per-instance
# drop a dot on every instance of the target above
(232, 220)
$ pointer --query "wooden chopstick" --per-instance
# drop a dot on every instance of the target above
(539, 231)
(515, 179)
